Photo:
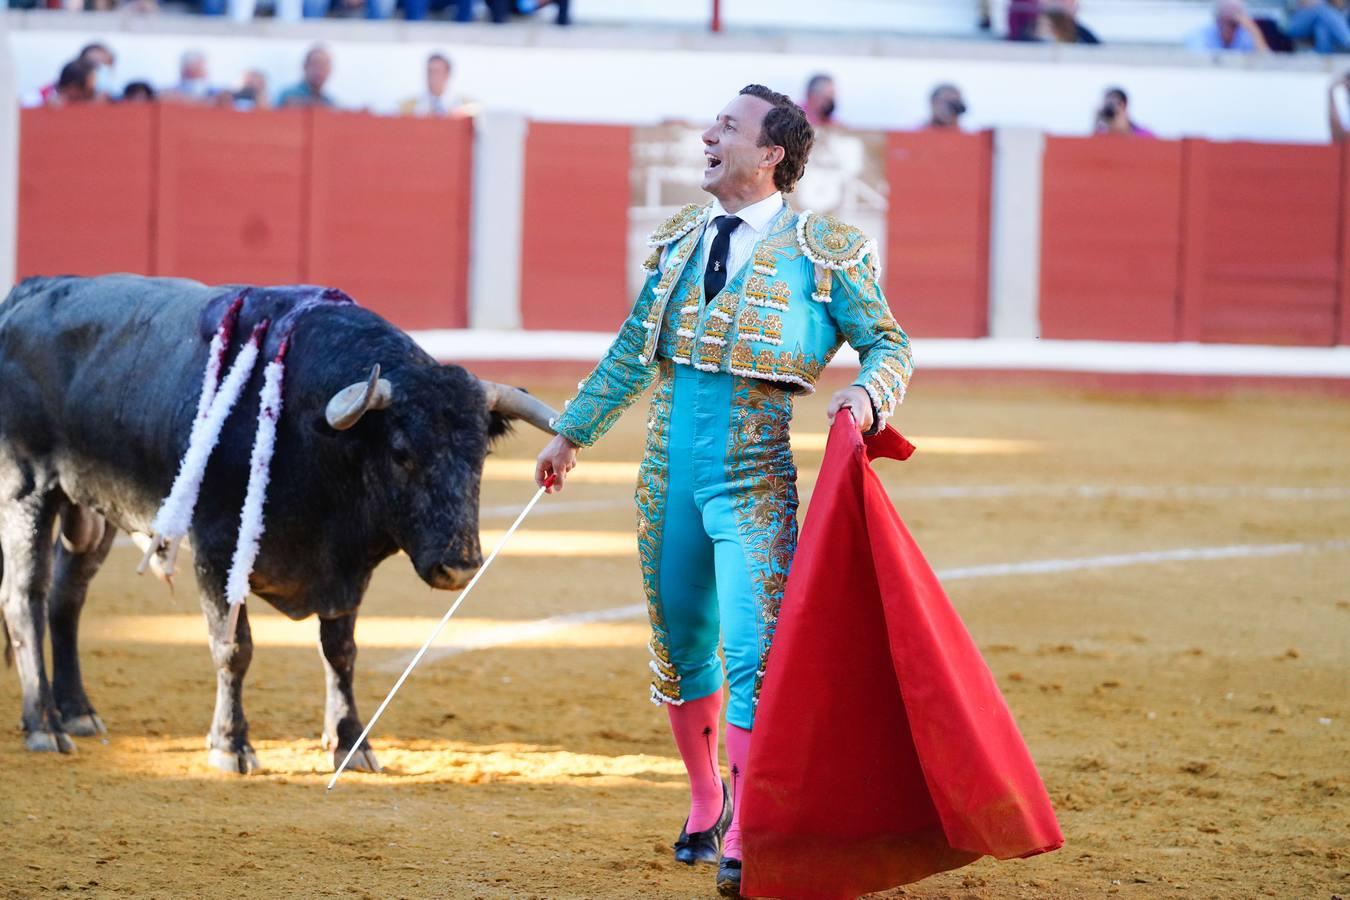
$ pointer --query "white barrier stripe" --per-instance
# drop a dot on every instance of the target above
(530, 630)
(1013, 354)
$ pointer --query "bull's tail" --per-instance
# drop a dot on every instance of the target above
(4, 626)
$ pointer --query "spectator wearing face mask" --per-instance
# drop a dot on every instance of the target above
(252, 93)
(100, 60)
(1114, 116)
(192, 86)
(946, 107)
(105, 78)
(1233, 30)
(819, 104)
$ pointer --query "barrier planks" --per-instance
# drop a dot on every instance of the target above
(1111, 239)
(1263, 249)
(86, 178)
(389, 205)
(231, 195)
(937, 232)
(574, 246)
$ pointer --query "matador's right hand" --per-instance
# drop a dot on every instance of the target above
(556, 459)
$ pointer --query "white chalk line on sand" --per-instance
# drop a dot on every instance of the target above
(984, 492)
(524, 631)
(1013, 491)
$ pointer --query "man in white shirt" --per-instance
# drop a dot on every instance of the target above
(437, 99)
(745, 303)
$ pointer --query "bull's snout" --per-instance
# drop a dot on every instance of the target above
(449, 578)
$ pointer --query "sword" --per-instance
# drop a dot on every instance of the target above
(439, 625)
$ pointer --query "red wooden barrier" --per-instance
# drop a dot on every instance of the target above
(1111, 239)
(85, 190)
(389, 214)
(937, 232)
(574, 249)
(1263, 247)
(231, 195)
(1343, 293)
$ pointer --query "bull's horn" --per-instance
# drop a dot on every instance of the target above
(355, 400)
(513, 403)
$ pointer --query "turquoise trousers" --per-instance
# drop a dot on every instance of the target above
(717, 527)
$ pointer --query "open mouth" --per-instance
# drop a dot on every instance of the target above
(713, 162)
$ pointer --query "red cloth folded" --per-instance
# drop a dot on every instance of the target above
(884, 751)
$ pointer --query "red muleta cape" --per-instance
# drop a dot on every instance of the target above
(883, 750)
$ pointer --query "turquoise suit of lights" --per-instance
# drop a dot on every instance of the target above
(716, 494)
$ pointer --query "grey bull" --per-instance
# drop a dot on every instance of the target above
(99, 383)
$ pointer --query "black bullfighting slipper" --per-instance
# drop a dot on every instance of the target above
(729, 877)
(705, 846)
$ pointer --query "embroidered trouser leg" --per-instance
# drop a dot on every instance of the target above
(717, 526)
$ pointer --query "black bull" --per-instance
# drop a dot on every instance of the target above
(99, 383)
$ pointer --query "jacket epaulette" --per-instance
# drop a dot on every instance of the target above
(830, 243)
(833, 246)
(678, 225)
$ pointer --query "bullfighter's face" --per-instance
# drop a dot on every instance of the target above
(738, 168)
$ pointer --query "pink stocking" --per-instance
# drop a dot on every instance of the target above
(695, 726)
(738, 754)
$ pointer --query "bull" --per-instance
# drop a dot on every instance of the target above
(99, 381)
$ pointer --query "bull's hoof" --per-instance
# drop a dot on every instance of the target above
(48, 742)
(89, 725)
(241, 762)
(362, 761)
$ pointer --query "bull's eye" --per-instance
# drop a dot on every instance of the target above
(402, 457)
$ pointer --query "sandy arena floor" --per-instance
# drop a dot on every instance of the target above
(1189, 716)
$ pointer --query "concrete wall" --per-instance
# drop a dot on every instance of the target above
(633, 75)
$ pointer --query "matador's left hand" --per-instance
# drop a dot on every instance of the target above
(856, 399)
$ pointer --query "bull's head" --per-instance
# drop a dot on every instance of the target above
(427, 457)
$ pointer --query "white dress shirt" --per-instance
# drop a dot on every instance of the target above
(755, 220)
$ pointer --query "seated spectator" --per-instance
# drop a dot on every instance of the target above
(1339, 132)
(1233, 30)
(1321, 22)
(819, 104)
(252, 93)
(436, 101)
(1114, 116)
(1058, 23)
(192, 86)
(138, 92)
(497, 9)
(100, 60)
(946, 107)
(1023, 15)
(75, 85)
(309, 92)
(500, 10)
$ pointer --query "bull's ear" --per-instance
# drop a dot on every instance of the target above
(499, 425)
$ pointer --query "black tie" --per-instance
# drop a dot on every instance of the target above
(715, 275)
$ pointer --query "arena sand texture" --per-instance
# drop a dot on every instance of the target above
(1189, 717)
